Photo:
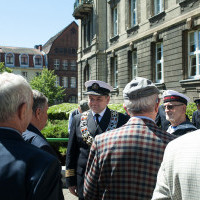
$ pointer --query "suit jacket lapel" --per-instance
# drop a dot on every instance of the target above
(105, 120)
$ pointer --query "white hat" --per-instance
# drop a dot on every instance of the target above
(95, 87)
(139, 87)
(171, 95)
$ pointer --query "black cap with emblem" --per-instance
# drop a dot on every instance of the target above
(95, 87)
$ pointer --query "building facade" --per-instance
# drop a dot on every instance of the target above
(61, 52)
(155, 39)
(27, 62)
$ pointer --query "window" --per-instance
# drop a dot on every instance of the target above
(65, 82)
(158, 6)
(73, 65)
(65, 64)
(115, 21)
(24, 60)
(114, 69)
(159, 62)
(194, 53)
(133, 12)
(87, 73)
(73, 82)
(25, 74)
(56, 63)
(38, 73)
(10, 59)
(38, 61)
(87, 32)
(73, 99)
(57, 83)
(134, 69)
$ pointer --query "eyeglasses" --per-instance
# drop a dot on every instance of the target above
(171, 107)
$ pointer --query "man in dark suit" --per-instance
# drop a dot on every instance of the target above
(84, 128)
(196, 115)
(38, 122)
(26, 172)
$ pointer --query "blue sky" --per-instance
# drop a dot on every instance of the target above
(27, 23)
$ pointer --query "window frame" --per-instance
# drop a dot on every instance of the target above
(134, 65)
(159, 62)
(65, 64)
(194, 54)
(115, 71)
(73, 82)
(65, 82)
(158, 6)
(35, 62)
(114, 21)
(10, 64)
(27, 63)
(133, 13)
(56, 63)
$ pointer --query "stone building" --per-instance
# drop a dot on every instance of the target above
(156, 39)
(61, 53)
(28, 62)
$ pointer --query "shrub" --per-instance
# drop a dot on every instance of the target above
(61, 111)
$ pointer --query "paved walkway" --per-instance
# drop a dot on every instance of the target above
(68, 195)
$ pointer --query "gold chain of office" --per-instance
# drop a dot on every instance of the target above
(86, 135)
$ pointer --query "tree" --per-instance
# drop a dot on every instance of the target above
(3, 68)
(45, 83)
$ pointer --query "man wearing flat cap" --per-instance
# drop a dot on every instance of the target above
(175, 105)
(84, 128)
(123, 163)
(196, 114)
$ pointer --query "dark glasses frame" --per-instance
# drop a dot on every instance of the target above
(171, 107)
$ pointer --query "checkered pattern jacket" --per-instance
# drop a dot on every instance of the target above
(124, 162)
(179, 175)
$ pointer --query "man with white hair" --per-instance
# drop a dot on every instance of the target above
(123, 163)
(175, 105)
(26, 172)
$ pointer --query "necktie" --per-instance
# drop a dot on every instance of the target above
(97, 118)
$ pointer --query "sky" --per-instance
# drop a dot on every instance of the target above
(27, 23)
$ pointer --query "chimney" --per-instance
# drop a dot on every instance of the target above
(39, 47)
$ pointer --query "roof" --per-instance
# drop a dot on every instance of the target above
(47, 46)
(20, 50)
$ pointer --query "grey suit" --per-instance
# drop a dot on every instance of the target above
(179, 174)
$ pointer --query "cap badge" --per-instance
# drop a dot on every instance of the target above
(95, 86)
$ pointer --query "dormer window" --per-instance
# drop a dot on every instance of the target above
(9, 59)
(38, 61)
(23, 60)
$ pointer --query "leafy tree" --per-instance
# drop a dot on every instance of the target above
(45, 83)
(3, 68)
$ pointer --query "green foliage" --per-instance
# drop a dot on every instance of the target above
(191, 107)
(45, 83)
(3, 68)
(117, 107)
(61, 111)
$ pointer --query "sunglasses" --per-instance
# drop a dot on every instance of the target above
(171, 107)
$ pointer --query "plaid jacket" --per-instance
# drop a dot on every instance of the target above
(179, 175)
(124, 162)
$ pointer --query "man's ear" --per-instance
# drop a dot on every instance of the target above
(22, 111)
(37, 113)
(157, 105)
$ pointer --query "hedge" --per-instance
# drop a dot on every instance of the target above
(57, 125)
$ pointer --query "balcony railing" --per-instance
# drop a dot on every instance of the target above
(82, 8)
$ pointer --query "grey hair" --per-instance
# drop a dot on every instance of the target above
(14, 91)
(141, 105)
(39, 100)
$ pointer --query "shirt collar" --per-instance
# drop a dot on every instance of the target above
(101, 113)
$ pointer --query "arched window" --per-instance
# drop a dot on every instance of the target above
(24, 60)
(9, 59)
(38, 61)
